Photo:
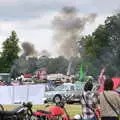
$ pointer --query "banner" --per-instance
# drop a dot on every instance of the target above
(23, 93)
(36, 94)
(20, 94)
(6, 94)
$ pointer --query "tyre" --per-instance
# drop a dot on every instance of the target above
(45, 101)
(57, 98)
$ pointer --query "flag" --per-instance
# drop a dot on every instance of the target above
(101, 77)
(81, 78)
(86, 70)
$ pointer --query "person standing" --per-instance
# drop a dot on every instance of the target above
(109, 102)
(89, 102)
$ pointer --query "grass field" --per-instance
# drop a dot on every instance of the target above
(71, 109)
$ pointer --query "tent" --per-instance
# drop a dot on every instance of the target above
(27, 75)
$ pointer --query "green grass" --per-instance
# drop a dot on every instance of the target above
(71, 109)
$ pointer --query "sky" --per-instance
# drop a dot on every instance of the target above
(32, 19)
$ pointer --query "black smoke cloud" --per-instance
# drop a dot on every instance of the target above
(28, 49)
(68, 25)
(44, 53)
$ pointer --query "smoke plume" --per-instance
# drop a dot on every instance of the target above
(28, 49)
(68, 26)
(44, 53)
(22, 64)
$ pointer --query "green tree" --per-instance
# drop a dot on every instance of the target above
(53, 65)
(58, 65)
(113, 27)
(94, 44)
(32, 64)
(103, 46)
(10, 52)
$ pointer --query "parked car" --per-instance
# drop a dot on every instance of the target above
(65, 92)
(68, 92)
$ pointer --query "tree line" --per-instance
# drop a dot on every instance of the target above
(99, 49)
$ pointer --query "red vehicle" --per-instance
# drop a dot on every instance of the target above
(55, 113)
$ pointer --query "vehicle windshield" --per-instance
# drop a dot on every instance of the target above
(79, 85)
(60, 88)
(65, 87)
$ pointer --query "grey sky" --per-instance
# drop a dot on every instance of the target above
(32, 18)
(29, 9)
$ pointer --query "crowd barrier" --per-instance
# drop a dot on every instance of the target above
(24, 93)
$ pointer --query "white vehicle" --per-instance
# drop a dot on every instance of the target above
(64, 92)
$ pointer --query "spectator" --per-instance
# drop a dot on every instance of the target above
(88, 102)
(73, 80)
(109, 102)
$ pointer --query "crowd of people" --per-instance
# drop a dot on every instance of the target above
(106, 105)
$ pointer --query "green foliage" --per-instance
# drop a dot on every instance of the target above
(53, 65)
(95, 42)
(32, 64)
(113, 28)
(102, 48)
(90, 45)
(9, 52)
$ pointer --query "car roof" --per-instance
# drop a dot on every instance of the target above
(67, 84)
